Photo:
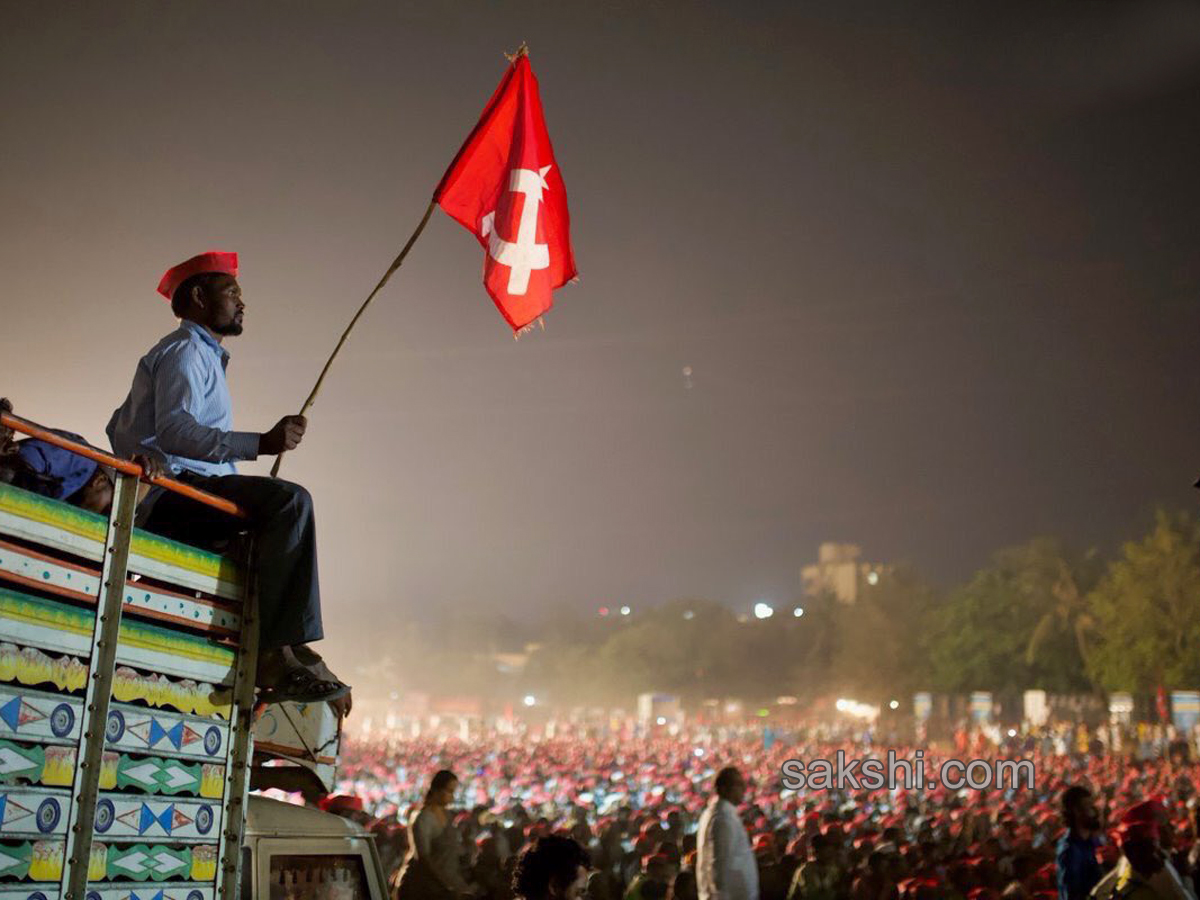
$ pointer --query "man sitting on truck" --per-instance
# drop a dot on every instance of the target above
(179, 410)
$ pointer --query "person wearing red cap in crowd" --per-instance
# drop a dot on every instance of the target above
(1075, 856)
(726, 869)
(346, 806)
(179, 411)
(1143, 872)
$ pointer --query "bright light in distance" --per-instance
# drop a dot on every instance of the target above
(895, 704)
(625, 610)
(698, 752)
(856, 709)
(872, 578)
(688, 614)
(763, 610)
(530, 700)
(1012, 732)
(798, 611)
(661, 720)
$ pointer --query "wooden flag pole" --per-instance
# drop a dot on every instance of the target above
(345, 334)
(523, 50)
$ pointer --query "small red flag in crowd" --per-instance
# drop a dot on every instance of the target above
(505, 187)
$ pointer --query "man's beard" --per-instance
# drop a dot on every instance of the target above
(229, 329)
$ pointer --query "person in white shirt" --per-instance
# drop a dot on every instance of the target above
(725, 865)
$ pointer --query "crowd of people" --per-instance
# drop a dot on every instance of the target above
(656, 815)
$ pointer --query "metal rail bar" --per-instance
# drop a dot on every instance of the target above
(101, 665)
(124, 466)
(240, 749)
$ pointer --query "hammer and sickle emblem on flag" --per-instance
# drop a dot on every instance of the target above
(524, 254)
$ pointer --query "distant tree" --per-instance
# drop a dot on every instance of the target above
(691, 647)
(1147, 610)
(562, 673)
(980, 638)
(881, 647)
(685, 647)
(815, 645)
(1063, 586)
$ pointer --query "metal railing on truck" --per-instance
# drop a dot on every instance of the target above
(127, 666)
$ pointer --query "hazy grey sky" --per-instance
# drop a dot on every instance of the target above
(934, 267)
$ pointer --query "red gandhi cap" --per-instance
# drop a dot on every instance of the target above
(334, 802)
(212, 261)
(1140, 823)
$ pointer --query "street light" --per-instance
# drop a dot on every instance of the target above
(895, 704)
(625, 610)
(798, 611)
(530, 700)
(763, 610)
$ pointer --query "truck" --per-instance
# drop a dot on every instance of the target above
(131, 744)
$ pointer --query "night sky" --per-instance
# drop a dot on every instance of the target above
(933, 267)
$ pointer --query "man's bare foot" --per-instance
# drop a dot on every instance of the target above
(283, 677)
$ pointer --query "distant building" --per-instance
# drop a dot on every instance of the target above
(839, 571)
(513, 662)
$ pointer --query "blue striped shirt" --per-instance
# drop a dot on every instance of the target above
(179, 410)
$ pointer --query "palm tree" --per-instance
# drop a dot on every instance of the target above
(1070, 612)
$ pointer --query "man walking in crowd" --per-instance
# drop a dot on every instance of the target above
(725, 864)
(1144, 872)
(1075, 857)
(179, 410)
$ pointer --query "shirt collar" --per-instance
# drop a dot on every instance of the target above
(1126, 876)
(201, 332)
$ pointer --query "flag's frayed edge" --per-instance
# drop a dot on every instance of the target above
(539, 321)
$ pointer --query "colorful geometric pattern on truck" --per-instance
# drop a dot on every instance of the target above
(163, 802)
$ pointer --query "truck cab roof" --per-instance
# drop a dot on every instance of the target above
(275, 818)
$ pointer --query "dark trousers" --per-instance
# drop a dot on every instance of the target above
(285, 541)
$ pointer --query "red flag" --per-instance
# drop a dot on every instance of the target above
(504, 186)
